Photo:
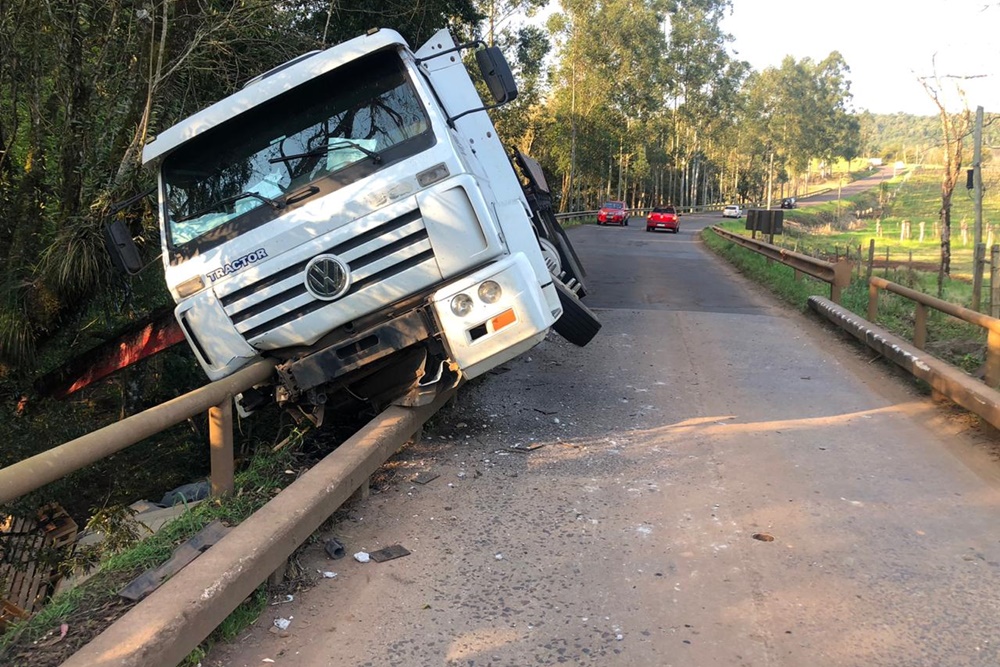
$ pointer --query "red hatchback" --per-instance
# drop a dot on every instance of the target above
(663, 217)
(613, 213)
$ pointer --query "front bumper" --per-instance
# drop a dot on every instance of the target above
(494, 333)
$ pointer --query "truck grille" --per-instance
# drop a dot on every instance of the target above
(387, 262)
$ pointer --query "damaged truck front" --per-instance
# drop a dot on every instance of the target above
(353, 215)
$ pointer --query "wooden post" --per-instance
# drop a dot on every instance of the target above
(871, 259)
(995, 281)
(922, 223)
(992, 375)
(872, 302)
(978, 255)
(885, 272)
(220, 437)
(920, 326)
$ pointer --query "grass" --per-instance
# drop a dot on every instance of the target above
(819, 231)
(264, 475)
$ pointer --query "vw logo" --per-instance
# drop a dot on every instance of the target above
(327, 277)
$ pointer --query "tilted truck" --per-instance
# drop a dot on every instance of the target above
(353, 215)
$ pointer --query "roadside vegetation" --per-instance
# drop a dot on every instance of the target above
(819, 231)
(128, 550)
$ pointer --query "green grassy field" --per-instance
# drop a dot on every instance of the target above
(822, 231)
(913, 197)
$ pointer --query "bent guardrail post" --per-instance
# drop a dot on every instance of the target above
(56, 463)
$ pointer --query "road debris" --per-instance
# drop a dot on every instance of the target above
(329, 575)
(526, 446)
(425, 477)
(362, 557)
(763, 537)
(389, 553)
(283, 623)
(334, 548)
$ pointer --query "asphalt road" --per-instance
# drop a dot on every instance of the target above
(704, 414)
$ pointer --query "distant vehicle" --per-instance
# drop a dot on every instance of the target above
(732, 211)
(613, 213)
(788, 202)
(663, 217)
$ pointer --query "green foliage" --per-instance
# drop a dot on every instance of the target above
(123, 558)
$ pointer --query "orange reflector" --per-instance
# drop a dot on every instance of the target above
(503, 319)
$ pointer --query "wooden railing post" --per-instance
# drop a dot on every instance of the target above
(220, 436)
(872, 302)
(995, 281)
(920, 326)
(992, 374)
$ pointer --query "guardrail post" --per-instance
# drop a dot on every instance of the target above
(841, 278)
(220, 436)
(992, 374)
(872, 302)
(920, 326)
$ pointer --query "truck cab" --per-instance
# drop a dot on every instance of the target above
(353, 215)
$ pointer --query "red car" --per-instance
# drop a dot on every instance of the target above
(613, 213)
(663, 217)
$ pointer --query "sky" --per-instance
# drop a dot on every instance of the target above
(886, 43)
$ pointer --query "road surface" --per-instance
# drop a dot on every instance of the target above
(718, 480)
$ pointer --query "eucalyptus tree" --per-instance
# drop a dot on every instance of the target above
(608, 77)
(698, 72)
(800, 111)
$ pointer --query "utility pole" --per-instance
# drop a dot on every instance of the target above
(770, 171)
(977, 234)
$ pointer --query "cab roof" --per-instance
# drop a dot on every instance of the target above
(267, 86)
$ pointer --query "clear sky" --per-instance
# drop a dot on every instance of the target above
(886, 43)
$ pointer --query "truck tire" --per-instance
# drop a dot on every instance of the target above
(572, 268)
(578, 324)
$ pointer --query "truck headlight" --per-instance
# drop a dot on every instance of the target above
(490, 291)
(461, 305)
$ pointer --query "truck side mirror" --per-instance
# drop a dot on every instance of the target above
(496, 72)
(123, 250)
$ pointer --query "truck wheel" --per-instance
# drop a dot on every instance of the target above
(578, 324)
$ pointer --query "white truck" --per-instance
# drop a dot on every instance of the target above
(353, 215)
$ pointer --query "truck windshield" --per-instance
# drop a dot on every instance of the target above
(341, 125)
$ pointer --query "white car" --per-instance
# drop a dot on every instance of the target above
(732, 211)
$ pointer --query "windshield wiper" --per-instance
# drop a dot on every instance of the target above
(216, 205)
(343, 143)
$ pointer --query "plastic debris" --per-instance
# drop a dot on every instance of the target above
(334, 548)
(499, 556)
(362, 557)
(329, 575)
(288, 598)
(282, 623)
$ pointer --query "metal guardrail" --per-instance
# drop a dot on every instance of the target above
(643, 211)
(943, 378)
(838, 274)
(217, 397)
(166, 626)
(922, 303)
